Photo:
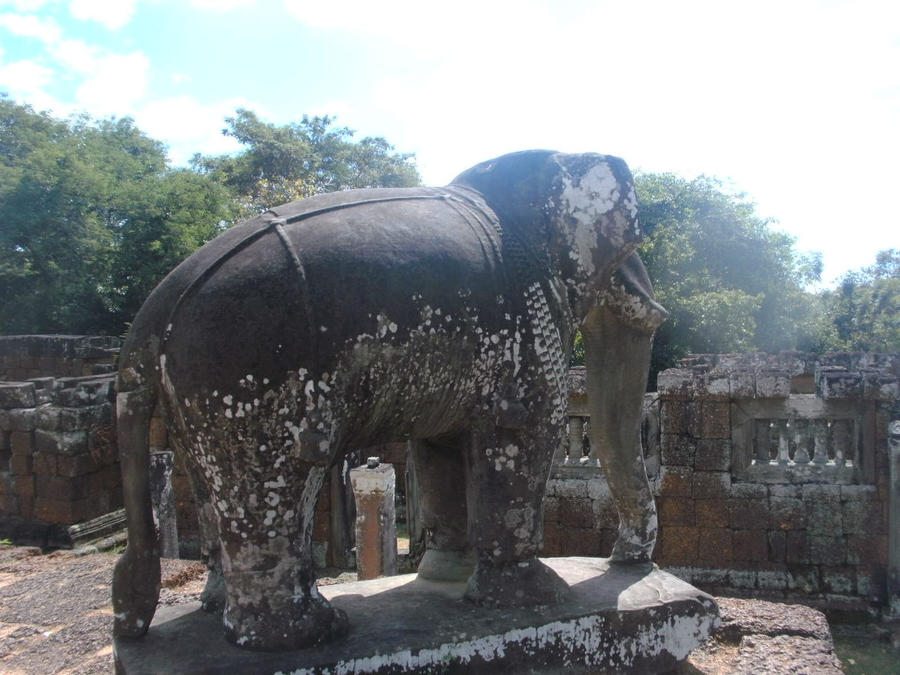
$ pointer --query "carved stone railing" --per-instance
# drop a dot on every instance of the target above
(770, 473)
(802, 438)
(577, 456)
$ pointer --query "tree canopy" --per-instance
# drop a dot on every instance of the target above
(93, 218)
(730, 282)
(865, 307)
(282, 163)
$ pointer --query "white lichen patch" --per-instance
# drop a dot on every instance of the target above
(592, 641)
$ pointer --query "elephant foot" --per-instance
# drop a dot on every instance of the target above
(301, 625)
(635, 543)
(214, 595)
(522, 584)
(136, 583)
(439, 565)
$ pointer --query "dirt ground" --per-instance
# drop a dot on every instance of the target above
(56, 617)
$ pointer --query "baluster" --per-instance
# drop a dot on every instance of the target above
(576, 438)
(762, 442)
(820, 440)
(784, 430)
(840, 438)
(589, 452)
(801, 441)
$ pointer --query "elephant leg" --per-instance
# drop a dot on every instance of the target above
(136, 579)
(618, 360)
(440, 472)
(272, 602)
(213, 595)
(508, 475)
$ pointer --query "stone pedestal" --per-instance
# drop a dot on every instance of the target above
(620, 618)
(376, 527)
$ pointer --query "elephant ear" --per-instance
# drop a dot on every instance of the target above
(517, 186)
(514, 185)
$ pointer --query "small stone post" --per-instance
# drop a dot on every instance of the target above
(376, 530)
(576, 438)
(894, 521)
(162, 464)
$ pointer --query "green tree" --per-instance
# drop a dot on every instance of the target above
(300, 159)
(730, 282)
(169, 216)
(864, 309)
(91, 220)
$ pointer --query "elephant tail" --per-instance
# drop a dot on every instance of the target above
(136, 580)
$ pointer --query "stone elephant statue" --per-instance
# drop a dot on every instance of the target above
(444, 316)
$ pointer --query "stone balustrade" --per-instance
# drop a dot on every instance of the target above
(770, 471)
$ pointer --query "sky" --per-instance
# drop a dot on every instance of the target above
(795, 103)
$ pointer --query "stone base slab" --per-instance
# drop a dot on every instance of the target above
(620, 618)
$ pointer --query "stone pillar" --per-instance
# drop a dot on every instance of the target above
(376, 529)
(162, 464)
(576, 438)
(894, 521)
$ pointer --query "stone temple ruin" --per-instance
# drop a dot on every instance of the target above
(60, 482)
(772, 476)
(772, 473)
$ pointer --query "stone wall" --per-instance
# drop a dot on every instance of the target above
(24, 357)
(762, 485)
(58, 457)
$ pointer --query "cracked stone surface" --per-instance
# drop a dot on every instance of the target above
(787, 654)
(757, 636)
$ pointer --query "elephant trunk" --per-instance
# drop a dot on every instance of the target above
(617, 359)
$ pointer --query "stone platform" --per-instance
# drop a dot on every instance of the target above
(621, 618)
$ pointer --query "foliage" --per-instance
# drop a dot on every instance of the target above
(297, 160)
(92, 219)
(169, 217)
(729, 281)
(864, 310)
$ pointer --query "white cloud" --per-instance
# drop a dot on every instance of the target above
(22, 79)
(78, 56)
(110, 83)
(111, 13)
(26, 5)
(431, 27)
(117, 84)
(220, 5)
(28, 25)
(189, 126)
